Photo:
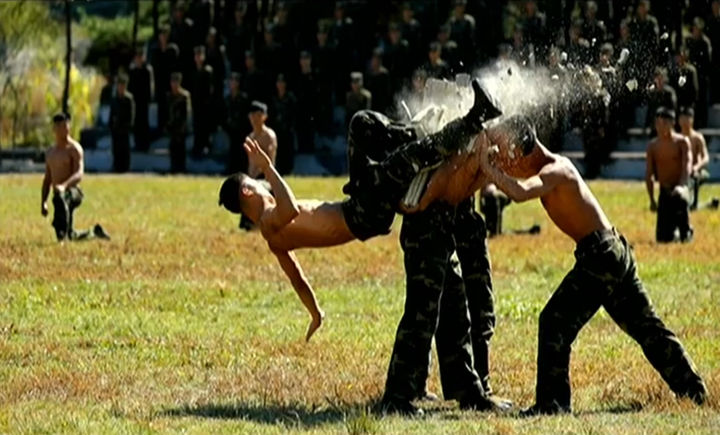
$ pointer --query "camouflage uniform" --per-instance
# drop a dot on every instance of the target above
(438, 302)
(698, 179)
(64, 205)
(673, 213)
(384, 157)
(605, 275)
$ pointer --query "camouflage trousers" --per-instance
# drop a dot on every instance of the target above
(697, 180)
(440, 302)
(384, 157)
(605, 275)
(673, 213)
(64, 205)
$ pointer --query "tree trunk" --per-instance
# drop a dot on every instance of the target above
(156, 18)
(68, 56)
(136, 18)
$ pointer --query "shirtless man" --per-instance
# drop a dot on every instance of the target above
(700, 158)
(375, 189)
(604, 275)
(669, 162)
(262, 134)
(63, 173)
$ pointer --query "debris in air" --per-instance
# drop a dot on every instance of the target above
(681, 81)
(631, 84)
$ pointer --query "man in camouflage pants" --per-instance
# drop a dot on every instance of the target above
(437, 303)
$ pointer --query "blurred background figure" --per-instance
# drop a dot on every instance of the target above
(122, 114)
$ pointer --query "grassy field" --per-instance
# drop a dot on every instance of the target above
(182, 323)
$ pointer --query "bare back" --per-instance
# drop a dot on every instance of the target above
(319, 224)
(62, 162)
(570, 204)
(667, 159)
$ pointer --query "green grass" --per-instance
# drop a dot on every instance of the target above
(182, 323)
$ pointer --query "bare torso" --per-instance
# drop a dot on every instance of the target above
(319, 224)
(61, 162)
(268, 142)
(667, 159)
(572, 206)
(455, 181)
(697, 145)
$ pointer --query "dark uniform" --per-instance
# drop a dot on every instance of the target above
(605, 275)
(237, 127)
(179, 110)
(164, 62)
(283, 113)
(434, 289)
(64, 205)
(673, 213)
(201, 93)
(355, 102)
(122, 114)
(141, 86)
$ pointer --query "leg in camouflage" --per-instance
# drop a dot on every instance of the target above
(452, 338)
(605, 275)
(427, 245)
(471, 242)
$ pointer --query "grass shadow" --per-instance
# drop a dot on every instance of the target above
(273, 414)
(620, 408)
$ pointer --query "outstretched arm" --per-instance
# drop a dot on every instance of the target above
(287, 208)
(294, 272)
(686, 161)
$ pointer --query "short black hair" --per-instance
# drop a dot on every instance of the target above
(664, 112)
(522, 132)
(61, 117)
(230, 193)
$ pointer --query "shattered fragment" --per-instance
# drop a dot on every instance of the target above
(631, 84)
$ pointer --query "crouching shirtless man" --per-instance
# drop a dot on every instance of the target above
(604, 275)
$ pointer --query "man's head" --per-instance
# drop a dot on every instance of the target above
(394, 33)
(179, 11)
(241, 194)
(407, 12)
(61, 126)
(516, 140)
(139, 58)
(530, 8)
(606, 54)
(121, 83)
(434, 51)
(664, 121)
(643, 8)
(715, 8)
(443, 34)
(356, 81)
(591, 9)
(682, 56)
(175, 82)
(459, 8)
(322, 35)
(687, 118)
(418, 80)
(660, 78)
(269, 34)
(199, 52)
(249, 60)
(698, 27)
(234, 82)
(281, 85)
(211, 38)
(305, 62)
(376, 59)
(257, 114)
(164, 35)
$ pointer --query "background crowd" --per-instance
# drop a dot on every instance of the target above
(313, 64)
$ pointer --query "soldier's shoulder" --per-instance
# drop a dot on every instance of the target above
(184, 92)
(76, 146)
(129, 95)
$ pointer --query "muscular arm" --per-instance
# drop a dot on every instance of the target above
(45, 191)
(534, 187)
(702, 155)
(650, 174)
(286, 208)
(291, 267)
(78, 168)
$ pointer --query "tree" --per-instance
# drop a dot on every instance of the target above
(68, 56)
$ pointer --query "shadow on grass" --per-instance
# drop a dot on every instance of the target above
(620, 408)
(272, 414)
